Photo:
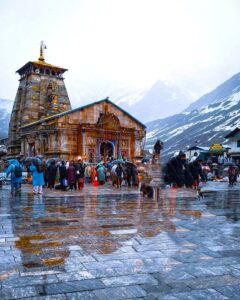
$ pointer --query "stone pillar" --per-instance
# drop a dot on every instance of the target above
(56, 141)
(83, 142)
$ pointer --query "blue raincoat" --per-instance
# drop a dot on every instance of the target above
(101, 173)
(37, 178)
(10, 170)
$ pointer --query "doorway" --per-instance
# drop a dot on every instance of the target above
(106, 149)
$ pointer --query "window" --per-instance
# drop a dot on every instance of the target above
(238, 143)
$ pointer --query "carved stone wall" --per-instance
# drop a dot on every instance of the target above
(39, 95)
(81, 133)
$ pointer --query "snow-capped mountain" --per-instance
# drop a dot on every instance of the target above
(5, 113)
(220, 93)
(144, 103)
(208, 124)
(159, 101)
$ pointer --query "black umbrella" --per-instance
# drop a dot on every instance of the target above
(229, 164)
(118, 161)
(28, 160)
(40, 156)
(130, 164)
(50, 160)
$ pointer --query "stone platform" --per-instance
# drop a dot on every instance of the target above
(107, 243)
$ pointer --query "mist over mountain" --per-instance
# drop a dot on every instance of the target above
(145, 104)
(218, 113)
(161, 100)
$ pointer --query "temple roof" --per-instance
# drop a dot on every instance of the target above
(79, 109)
(40, 64)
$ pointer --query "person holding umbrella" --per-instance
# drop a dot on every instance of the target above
(119, 173)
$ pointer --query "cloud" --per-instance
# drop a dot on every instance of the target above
(132, 42)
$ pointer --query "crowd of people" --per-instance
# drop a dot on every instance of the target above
(72, 175)
(180, 172)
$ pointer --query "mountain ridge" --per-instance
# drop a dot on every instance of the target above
(218, 94)
(160, 100)
(208, 124)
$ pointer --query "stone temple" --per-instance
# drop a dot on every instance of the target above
(43, 122)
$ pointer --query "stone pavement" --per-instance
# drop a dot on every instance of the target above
(104, 243)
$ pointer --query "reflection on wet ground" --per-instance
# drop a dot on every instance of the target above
(98, 244)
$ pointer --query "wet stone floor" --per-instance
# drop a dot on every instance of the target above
(102, 243)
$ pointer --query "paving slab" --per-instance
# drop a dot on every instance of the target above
(106, 243)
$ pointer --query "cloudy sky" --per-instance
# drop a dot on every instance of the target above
(193, 44)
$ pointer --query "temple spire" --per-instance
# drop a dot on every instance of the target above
(42, 48)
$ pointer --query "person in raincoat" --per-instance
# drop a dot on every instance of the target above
(101, 174)
(80, 169)
(88, 174)
(232, 175)
(120, 175)
(157, 150)
(37, 178)
(71, 176)
(177, 171)
(135, 179)
(195, 169)
(94, 175)
(15, 179)
(129, 174)
(52, 172)
(63, 176)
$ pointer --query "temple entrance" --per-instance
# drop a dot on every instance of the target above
(106, 149)
(32, 150)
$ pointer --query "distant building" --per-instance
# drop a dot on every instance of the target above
(42, 122)
(195, 149)
(216, 153)
(234, 143)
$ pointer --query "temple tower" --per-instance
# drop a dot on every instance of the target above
(41, 93)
